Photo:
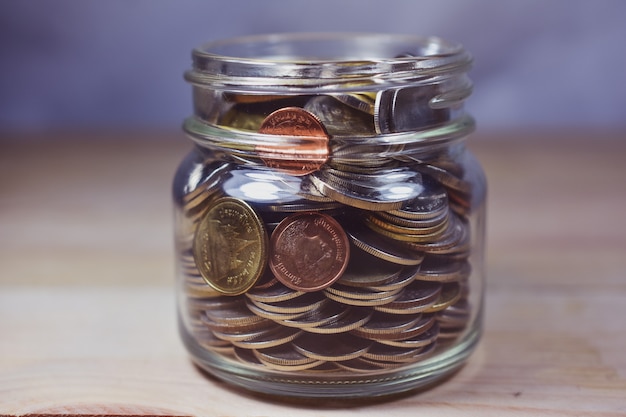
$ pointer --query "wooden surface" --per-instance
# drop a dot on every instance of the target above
(87, 320)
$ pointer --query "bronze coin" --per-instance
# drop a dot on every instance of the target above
(309, 251)
(306, 153)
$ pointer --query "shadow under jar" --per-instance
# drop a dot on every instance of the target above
(329, 221)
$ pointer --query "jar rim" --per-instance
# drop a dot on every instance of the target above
(314, 59)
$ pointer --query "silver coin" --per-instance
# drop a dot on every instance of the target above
(354, 318)
(339, 119)
(384, 323)
(407, 109)
(400, 356)
(328, 312)
(334, 347)
(308, 302)
(423, 339)
(441, 269)
(386, 197)
(365, 270)
(414, 298)
(278, 336)
(425, 322)
(273, 294)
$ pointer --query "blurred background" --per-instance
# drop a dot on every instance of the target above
(119, 64)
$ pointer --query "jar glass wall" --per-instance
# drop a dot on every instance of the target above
(330, 220)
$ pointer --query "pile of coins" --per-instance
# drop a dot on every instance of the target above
(297, 259)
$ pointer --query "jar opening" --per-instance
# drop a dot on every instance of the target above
(327, 47)
(313, 59)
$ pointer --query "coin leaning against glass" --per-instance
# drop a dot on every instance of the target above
(309, 251)
(230, 246)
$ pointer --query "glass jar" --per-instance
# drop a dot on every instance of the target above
(329, 220)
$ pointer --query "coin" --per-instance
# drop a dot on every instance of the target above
(239, 335)
(283, 359)
(381, 246)
(422, 339)
(309, 251)
(365, 270)
(397, 355)
(366, 302)
(357, 293)
(272, 315)
(273, 294)
(275, 337)
(450, 294)
(446, 178)
(231, 316)
(339, 119)
(407, 109)
(327, 312)
(360, 101)
(304, 304)
(378, 192)
(334, 348)
(384, 323)
(414, 298)
(230, 246)
(352, 319)
(441, 269)
(359, 365)
(384, 353)
(299, 157)
(425, 322)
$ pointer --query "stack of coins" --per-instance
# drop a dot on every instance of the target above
(323, 260)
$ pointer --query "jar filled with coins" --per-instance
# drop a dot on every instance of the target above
(329, 221)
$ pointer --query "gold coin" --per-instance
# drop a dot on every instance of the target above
(230, 246)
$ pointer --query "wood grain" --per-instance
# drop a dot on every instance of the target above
(87, 322)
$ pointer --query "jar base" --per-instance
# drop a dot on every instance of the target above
(338, 386)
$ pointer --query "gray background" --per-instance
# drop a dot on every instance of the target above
(119, 64)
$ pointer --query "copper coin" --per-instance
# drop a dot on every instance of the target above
(309, 251)
(303, 155)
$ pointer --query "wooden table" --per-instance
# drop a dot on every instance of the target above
(87, 320)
